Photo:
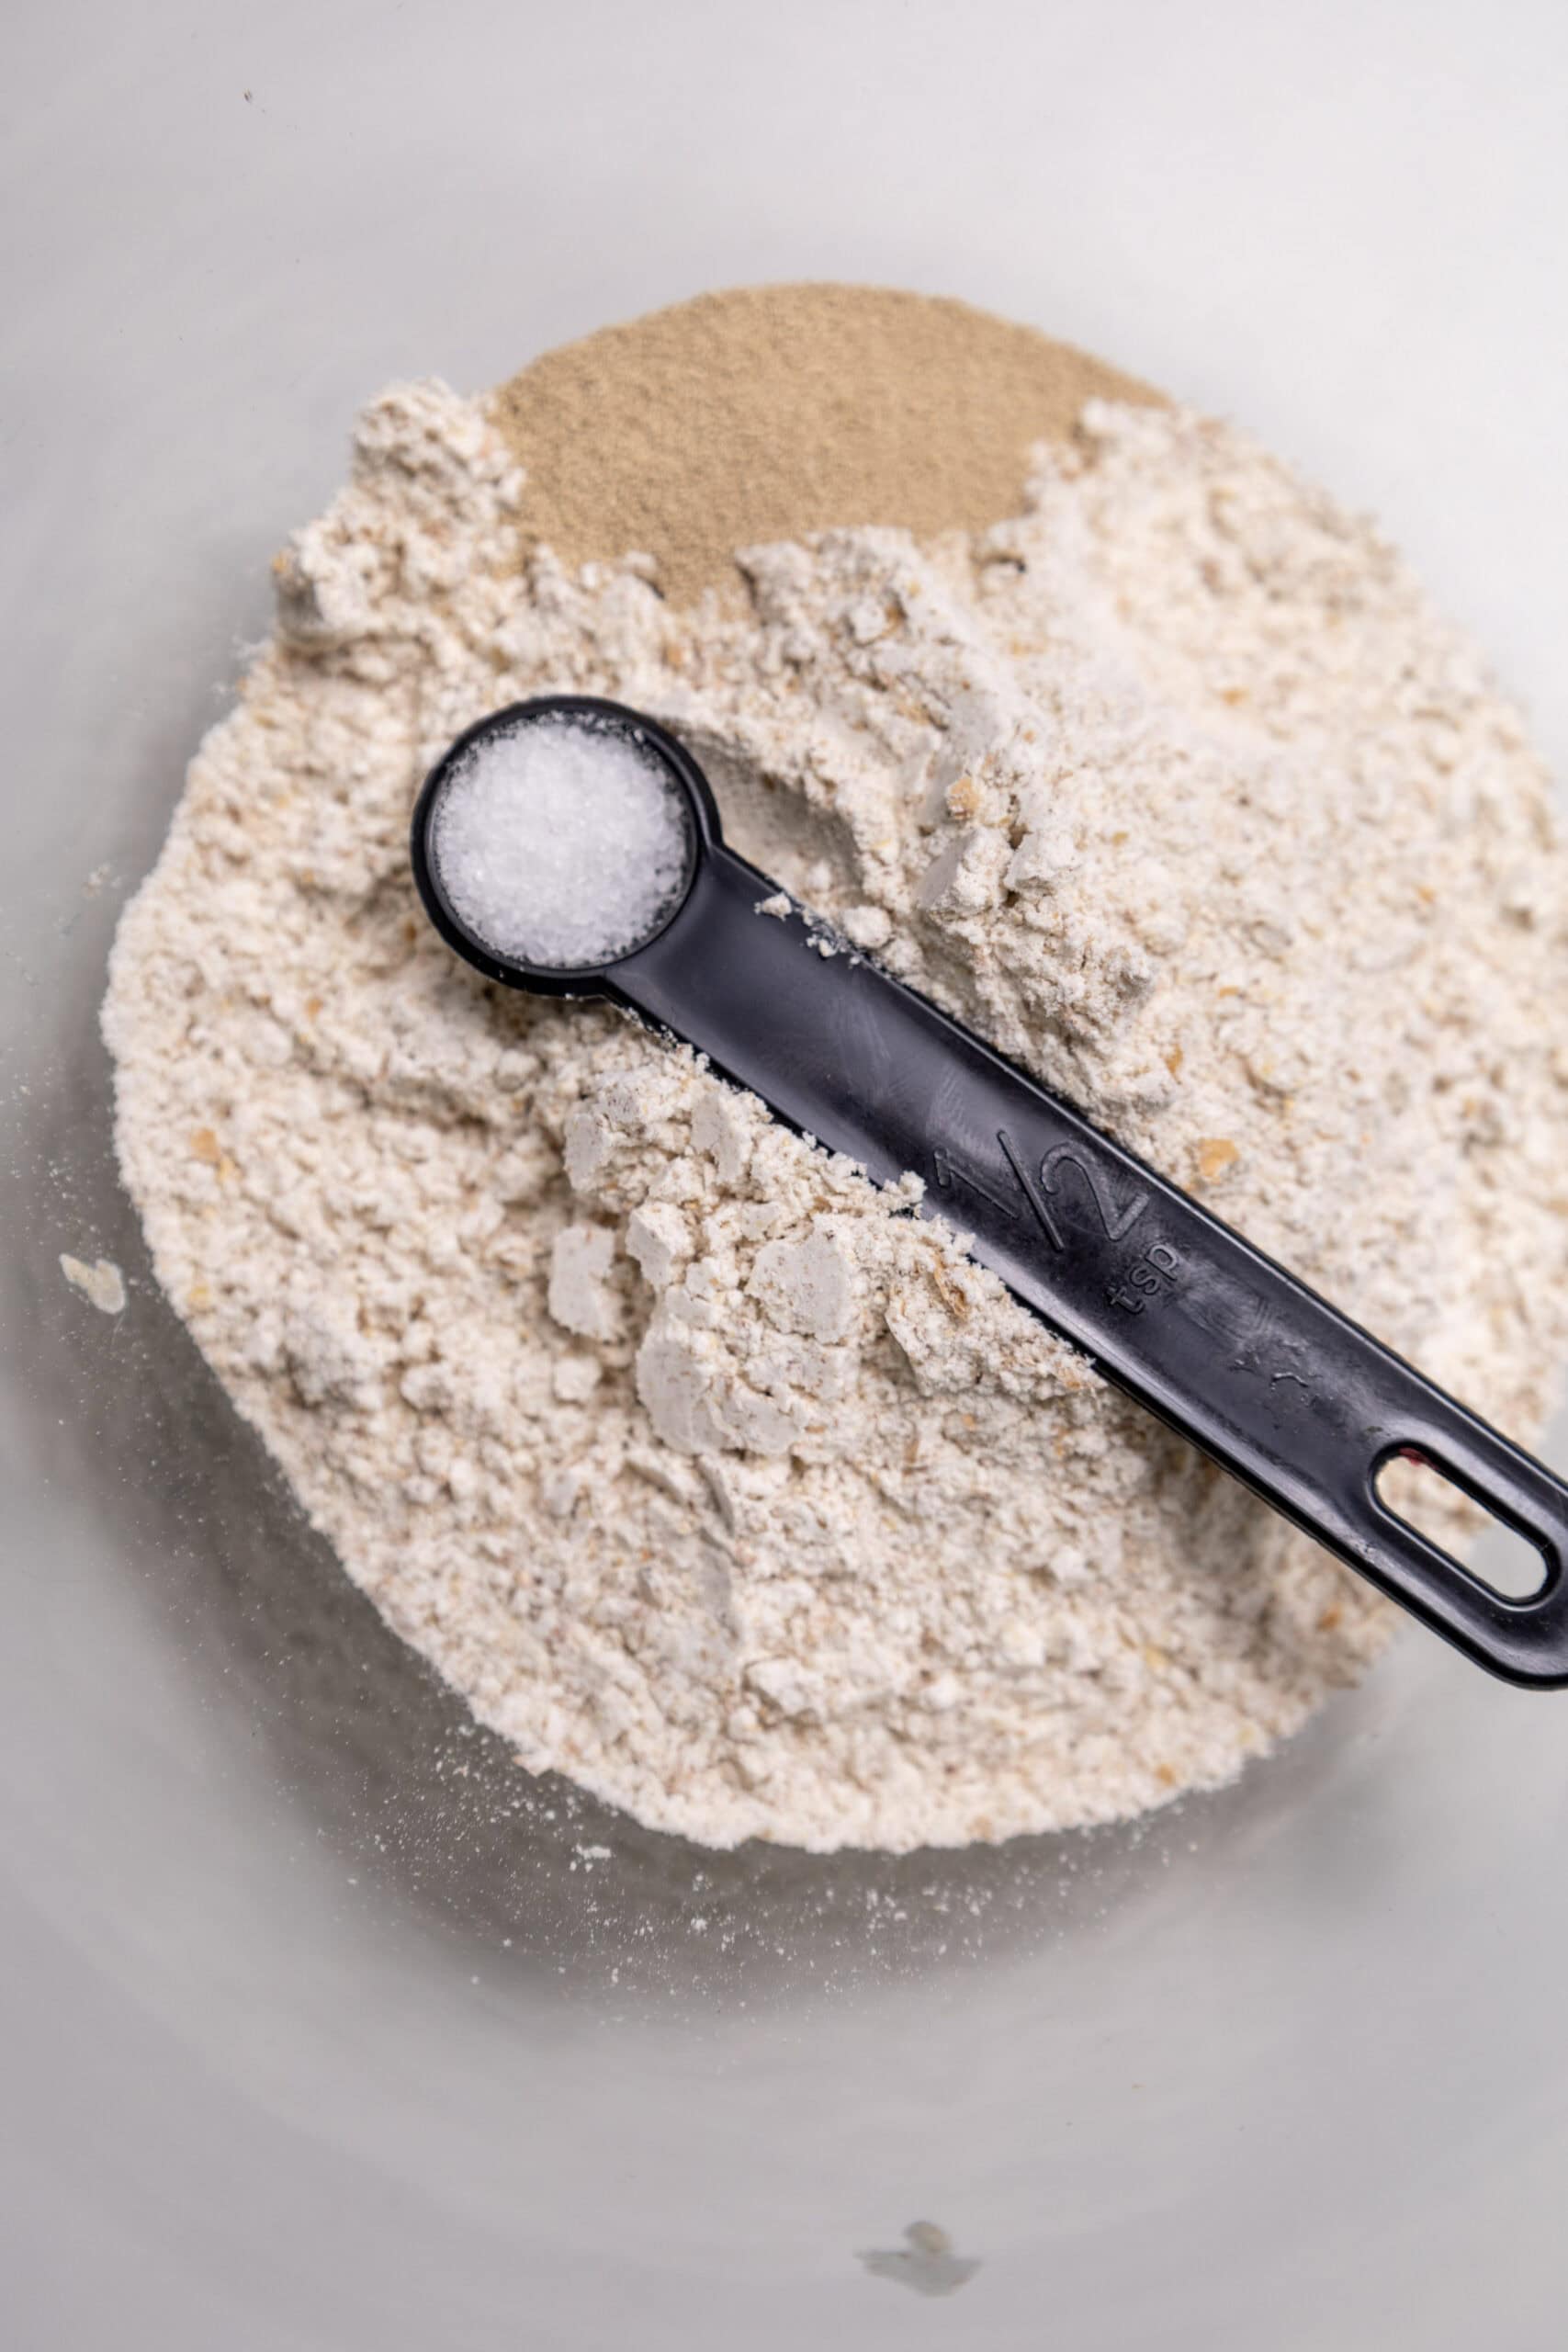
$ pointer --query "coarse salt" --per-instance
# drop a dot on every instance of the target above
(561, 844)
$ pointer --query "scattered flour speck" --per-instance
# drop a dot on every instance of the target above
(101, 1282)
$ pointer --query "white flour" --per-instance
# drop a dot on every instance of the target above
(710, 1477)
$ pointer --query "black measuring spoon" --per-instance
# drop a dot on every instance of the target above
(1274, 1383)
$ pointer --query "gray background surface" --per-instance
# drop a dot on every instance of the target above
(312, 2039)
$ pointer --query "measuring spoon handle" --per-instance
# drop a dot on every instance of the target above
(1277, 1386)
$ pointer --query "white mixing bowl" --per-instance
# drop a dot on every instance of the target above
(314, 2041)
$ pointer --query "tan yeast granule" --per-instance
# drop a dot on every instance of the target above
(708, 1475)
(771, 411)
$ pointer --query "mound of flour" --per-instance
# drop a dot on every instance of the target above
(709, 1475)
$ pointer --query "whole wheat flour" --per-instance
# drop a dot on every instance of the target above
(706, 1473)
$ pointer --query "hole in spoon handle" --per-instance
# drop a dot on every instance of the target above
(1286, 1393)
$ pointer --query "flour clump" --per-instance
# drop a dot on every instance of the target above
(708, 1474)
